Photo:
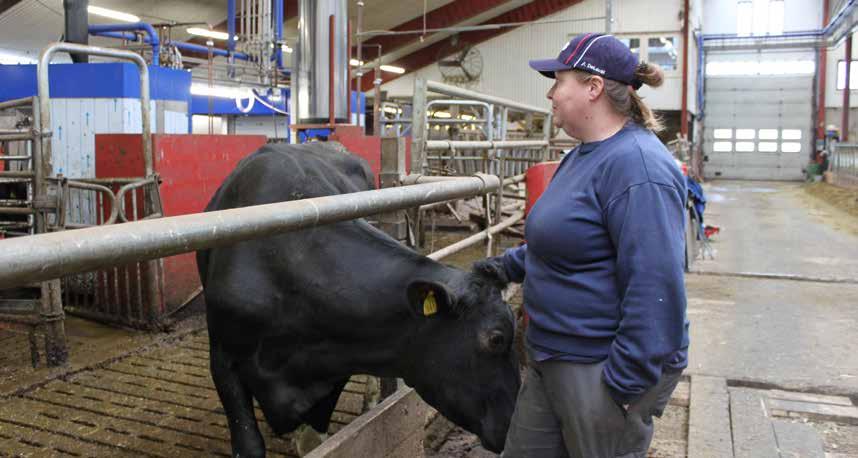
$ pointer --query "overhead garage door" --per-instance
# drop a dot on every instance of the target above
(758, 128)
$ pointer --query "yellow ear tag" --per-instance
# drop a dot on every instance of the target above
(430, 307)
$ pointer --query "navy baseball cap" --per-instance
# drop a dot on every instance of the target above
(594, 53)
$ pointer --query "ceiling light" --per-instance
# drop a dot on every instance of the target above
(441, 114)
(112, 14)
(355, 63)
(227, 92)
(392, 69)
(208, 33)
(287, 49)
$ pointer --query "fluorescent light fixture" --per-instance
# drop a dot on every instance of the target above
(355, 63)
(441, 114)
(226, 92)
(112, 14)
(392, 69)
(208, 33)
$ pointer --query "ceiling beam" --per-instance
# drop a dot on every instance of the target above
(425, 56)
(445, 16)
(6, 4)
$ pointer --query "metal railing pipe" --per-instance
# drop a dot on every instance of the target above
(500, 144)
(52, 255)
(515, 179)
(45, 97)
(16, 103)
(454, 91)
(15, 137)
(476, 238)
(17, 174)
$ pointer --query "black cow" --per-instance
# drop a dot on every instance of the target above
(291, 317)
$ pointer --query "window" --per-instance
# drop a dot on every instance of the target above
(745, 134)
(768, 147)
(768, 134)
(791, 134)
(661, 51)
(791, 147)
(841, 75)
(776, 17)
(759, 17)
(722, 147)
(723, 133)
(744, 12)
(745, 147)
(634, 45)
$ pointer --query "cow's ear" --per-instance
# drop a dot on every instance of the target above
(431, 299)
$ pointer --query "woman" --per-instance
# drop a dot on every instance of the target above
(602, 268)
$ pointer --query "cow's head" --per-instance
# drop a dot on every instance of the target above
(462, 360)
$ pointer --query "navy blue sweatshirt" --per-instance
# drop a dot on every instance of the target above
(603, 264)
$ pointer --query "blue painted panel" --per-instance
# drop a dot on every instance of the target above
(103, 80)
(223, 106)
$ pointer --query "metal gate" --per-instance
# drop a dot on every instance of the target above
(758, 127)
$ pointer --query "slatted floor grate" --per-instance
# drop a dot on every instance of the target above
(160, 403)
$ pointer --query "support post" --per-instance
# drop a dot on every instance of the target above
(683, 119)
(418, 126)
(844, 120)
(822, 74)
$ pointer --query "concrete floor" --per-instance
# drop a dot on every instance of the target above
(795, 334)
(772, 227)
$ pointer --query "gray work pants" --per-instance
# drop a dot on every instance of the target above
(564, 410)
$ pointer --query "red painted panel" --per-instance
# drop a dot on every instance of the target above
(538, 178)
(191, 167)
(367, 147)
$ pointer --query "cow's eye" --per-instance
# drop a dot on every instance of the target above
(497, 342)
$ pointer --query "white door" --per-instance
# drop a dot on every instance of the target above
(758, 127)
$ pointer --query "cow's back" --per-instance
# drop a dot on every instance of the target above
(283, 172)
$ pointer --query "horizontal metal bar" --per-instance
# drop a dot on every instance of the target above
(109, 181)
(515, 179)
(453, 121)
(14, 131)
(16, 174)
(16, 137)
(455, 158)
(15, 158)
(501, 144)
(16, 103)
(454, 91)
(13, 202)
(53, 255)
(16, 211)
(14, 180)
(476, 238)
(15, 224)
